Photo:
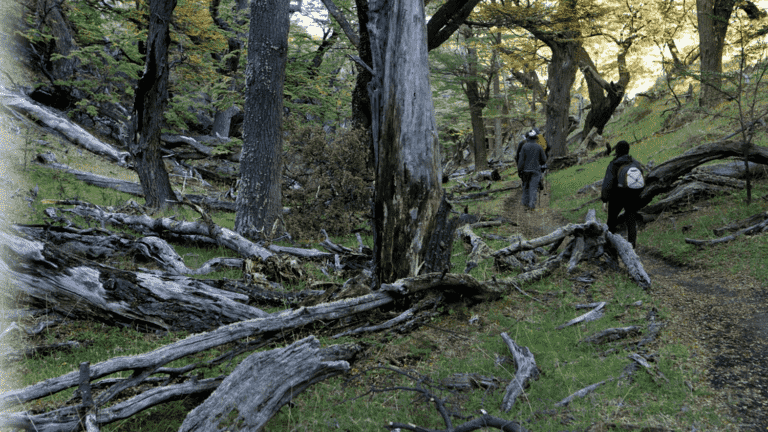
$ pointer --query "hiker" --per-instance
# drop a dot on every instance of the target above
(531, 161)
(622, 186)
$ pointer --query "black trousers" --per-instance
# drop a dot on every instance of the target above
(629, 201)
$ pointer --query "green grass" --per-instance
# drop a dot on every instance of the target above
(449, 344)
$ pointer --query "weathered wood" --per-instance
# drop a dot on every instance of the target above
(744, 223)
(663, 177)
(685, 194)
(588, 228)
(581, 393)
(75, 287)
(754, 229)
(592, 315)
(60, 123)
(223, 236)
(576, 254)
(630, 259)
(486, 193)
(480, 251)
(408, 192)
(264, 382)
(253, 328)
(611, 334)
(525, 372)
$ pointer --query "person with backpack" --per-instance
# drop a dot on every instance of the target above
(531, 160)
(622, 186)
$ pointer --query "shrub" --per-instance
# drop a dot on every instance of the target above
(329, 182)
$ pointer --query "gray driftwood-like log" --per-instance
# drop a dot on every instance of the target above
(592, 315)
(662, 178)
(135, 189)
(262, 383)
(581, 393)
(683, 195)
(75, 287)
(611, 334)
(223, 236)
(591, 227)
(630, 259)
(60, 123)
(525, 372)
(480, 250)
(739, 225)
(754, 229)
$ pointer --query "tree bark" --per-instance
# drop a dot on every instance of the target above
(561, 73)
(75, 287)
(262, 383)
(408, 188)
(713, 17)
(604, 97)
(259, 202)
(149, 106)
(64, 126)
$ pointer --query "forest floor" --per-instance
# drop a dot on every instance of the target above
(723, 313)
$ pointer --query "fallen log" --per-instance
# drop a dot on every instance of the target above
(525, 372)
(78, 288)
(611, 334)
(683, 195)
(581, 393)
(135, 189)
(663, 177)
(592, 315)
(630, 259)
(223, 236)
(754, 229)
(60, 123)
(591, 227)
(262, 383)
(480, 251)
(744, 223)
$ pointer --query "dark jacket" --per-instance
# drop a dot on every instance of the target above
(610, 181)
(531, 157)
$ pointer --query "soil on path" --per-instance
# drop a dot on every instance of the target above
(722, 316)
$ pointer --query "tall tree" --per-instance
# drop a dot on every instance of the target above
(149, 106)
(259, 200)
(713, 19)
(559, 28)
(408, 192)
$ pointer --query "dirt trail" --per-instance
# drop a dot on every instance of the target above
(722, 315)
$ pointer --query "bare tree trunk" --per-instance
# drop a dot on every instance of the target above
(149, 106)
(561, 75)
(259, 202)
(713, 16)
(408, 173)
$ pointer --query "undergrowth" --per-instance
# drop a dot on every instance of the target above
(462, 339)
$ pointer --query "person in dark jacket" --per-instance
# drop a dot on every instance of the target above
(621, 198)
(530, 162)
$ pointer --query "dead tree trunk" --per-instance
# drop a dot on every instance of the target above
(77, 288)
(262, 383)
(662, 178)
(408, 191)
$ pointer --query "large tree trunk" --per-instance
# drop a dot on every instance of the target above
(259, 201)
(603, 96)
(407, 157)
(561, 75)
(713, 17)
(149, 106)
